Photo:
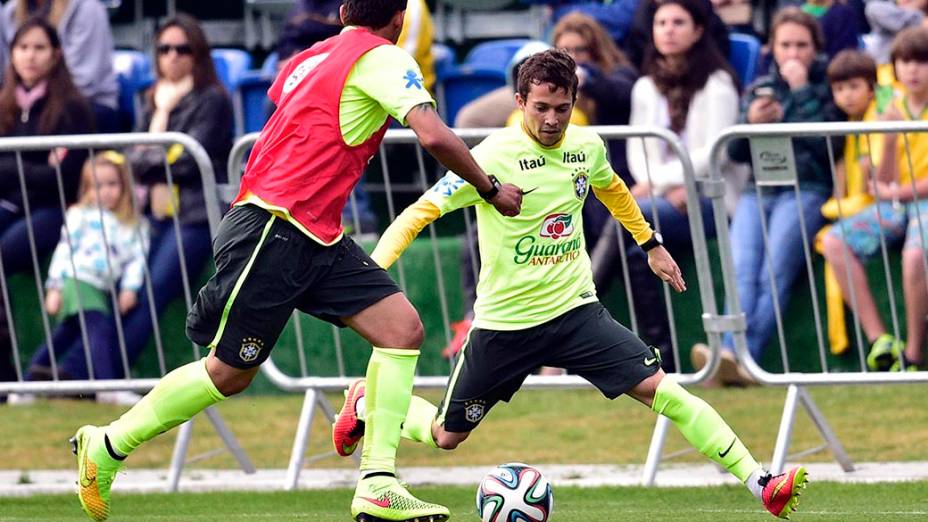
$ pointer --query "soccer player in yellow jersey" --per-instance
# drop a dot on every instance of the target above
(536, 303)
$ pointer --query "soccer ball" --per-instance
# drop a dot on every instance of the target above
(514, 492)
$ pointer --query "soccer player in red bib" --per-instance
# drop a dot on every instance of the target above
(281, 247)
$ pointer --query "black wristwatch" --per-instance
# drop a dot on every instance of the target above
(494, 190)
(656, 240)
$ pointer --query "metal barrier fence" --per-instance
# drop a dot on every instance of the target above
(58, 386)
(774, 166)
(314, 386)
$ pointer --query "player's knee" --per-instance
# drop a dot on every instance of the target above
(407, 333)
(449, 441)
(227, 379)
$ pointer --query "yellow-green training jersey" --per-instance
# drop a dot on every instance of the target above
(534, 267)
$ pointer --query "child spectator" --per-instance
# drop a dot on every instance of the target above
(839, 25)
(901, 212)
(101, 251)
(852, 75)
(886, 19)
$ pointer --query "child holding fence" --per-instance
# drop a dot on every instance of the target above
(102, 250)
(901, 212)
(853, 79)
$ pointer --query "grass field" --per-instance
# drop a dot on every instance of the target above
(821, 501)
(875, 423)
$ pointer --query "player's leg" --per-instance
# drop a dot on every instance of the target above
(616, 361)
(232, 317)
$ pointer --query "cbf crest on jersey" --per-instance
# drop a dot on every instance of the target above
(581, 183)
(251, 348)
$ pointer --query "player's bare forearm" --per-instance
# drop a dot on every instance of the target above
(445, 146)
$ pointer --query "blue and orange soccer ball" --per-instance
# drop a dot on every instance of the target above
(514, 492)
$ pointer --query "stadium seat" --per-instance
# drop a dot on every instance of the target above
(444, 59)
(494, 55)
(252, 94)
(134, 73)
(465, 84)
(744, 56)
(231, 64)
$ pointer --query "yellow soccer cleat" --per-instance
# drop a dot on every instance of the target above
(96, 470)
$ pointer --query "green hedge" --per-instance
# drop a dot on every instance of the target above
(422, 283)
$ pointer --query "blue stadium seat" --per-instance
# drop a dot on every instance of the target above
(444, 59)
(231, 64)
(465, 84)
(744, 56)
(134, 73)
(252, 94)
(494, 55)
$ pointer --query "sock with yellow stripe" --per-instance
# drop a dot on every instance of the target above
(388, 390)
(704, 428)
(418, 423)
(176, 398)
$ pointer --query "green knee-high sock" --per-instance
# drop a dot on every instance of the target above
(179, 396)
(419, 418)
(704, 428)
(387, 394)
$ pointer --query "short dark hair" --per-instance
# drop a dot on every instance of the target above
(372, 13)
(850, 64)
(554, 67)
(910, 45)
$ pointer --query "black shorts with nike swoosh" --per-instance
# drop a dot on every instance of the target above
(266, 268)
(585, 341)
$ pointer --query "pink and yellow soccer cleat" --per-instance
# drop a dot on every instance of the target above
(348, 428)
(781, 492)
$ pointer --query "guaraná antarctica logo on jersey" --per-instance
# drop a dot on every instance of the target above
(251, 348)
(302, 70)
(581, 181)
(549, 250)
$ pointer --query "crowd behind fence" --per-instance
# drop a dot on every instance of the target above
(317, 358)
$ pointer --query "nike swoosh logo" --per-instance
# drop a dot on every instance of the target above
(648, 361)
(524, 192)
(385, 503)
(722, 454)
(87, 480)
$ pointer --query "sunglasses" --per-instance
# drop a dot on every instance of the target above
(183, 49)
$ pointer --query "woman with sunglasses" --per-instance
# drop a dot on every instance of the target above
(187, 97)
(37, 98)
(87, 42)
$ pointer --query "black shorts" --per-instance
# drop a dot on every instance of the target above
(266, 268)
(586, 341)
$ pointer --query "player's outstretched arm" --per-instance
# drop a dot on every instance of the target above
(453, 153)
(403, 230)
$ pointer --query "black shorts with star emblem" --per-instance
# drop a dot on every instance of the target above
(585, 341)
(266, 268)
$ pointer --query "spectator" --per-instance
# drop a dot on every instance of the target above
(886, 19)
(84, 28)
(188, 98)
(606, 79)
(102, 250)
(37, 98)
(689, 88)
(901, 212)
(853, 79)
(839, 25)
(311, 21)
(795, 90)
(639, 36)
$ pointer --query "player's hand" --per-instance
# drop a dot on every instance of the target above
(127, 301)
(666, 268)
(53, 301)
(508, 201)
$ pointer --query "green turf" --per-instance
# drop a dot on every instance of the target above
(821, 501)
